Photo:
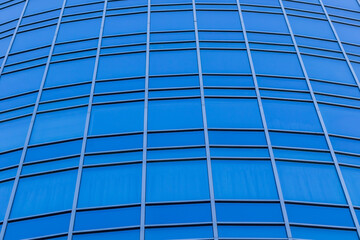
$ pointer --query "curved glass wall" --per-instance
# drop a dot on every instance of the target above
(179, 119)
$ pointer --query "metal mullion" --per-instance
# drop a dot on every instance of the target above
(266, 131)
(146, 104)
(31, 125)
(86, 128)
(326, 134)
(342, 49)
(206, 134)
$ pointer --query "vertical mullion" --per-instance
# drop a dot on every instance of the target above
(13, 37)
(206, 134)
(340, 44)
(146, 103)
(33, 116)
(336, 164)
(266, 130)
(86, 128)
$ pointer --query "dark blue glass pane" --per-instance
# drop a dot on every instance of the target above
(224, 61)
(197, 232)
(176, 139)
(14, 132)
(252, 232)
(114, 143)
(125, 234)
(5, 191)
(323, 234)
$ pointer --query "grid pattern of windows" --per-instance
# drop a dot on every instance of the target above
(179, 119)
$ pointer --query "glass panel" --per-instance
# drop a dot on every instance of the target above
(14, 132)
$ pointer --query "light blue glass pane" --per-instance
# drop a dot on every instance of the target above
(178, 213)
(74, 71)
(298, 140)
(224, 61)
(197, 232)
(261, 2)
(236, 138)
(107, 218)
(123, 24)
(176, 139)
(8, 173)
(224, 20)
(113, 158)
(14, 132)
(10, 158)
(333, 88)
(53, 151)
(128, 235)
(18, 82)
(35, 6)
(121, 85)
(177, 181)
(243, 180)
(172, 62)
(175, 114)
(168, 21)
(11, 12)
(114, 143)
(228, 81)
(319, 215)
(310, 182)
(63, 104)
(123, 65)
(64, 92)
(33, 39)
(4, 43)
(79, 30)
(336, 70)
(286, 64)
(110, 185)
(117, 118)
(346, 32)
(176, 153)
(239, 152)
(252, 231)
(348, 159)
(52, 165)
(44, 193)
(18, 101)
(58, 125)
(323, 234)
(232, 113)
(305, 155)
(248, 212)
(299, 115)
(172, 82)
(311, 27)
(5, 191)
(265, 22)
(352, 178)
(341, 120)
(282, 83)
(346, 144)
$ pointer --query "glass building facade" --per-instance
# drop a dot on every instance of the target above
(179, 119)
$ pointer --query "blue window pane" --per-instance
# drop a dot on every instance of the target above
(341, 120)
(168, 21)
(5, 191)
(323, 234)
(236, 138)
(113, 158)
(44, 193)
(319, 215)
(110, 185)
(178, 213)
(10, 158)
(346, 32)
(14, 132)
(35, 6)
(176, 153)
(50, 165)
(176, 81)
(265, 22)
(311, 27)
(197, 232)
(38, 227)
(299, 115)
(172, 62)
(224, 61)
(252, 232)
(243, 180)
(346, 144)
(286, 64)
(58, 125)
(176, 181)
(33, 39)
(336, 70)
(107, 218)
(232, 113)
(352, 177)
(79, 30)
(124, 24)
(128, 235)
(304, 155)
(309, 182)
(298, 140)
(239, 152)
(117, 118)
(75, 71)
(248, 212)
(18, 82)
(175, 114)
(121, 85)
(114, 143)
(176, 139)
(218, 20)
(261, 2)
(120, 66)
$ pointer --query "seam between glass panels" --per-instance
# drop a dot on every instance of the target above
(31, 125)
(145, 130)
(206, 134)
(86, 128)
(266, 131)
(326, 134)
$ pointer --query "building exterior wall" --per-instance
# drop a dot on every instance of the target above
(179, 119)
